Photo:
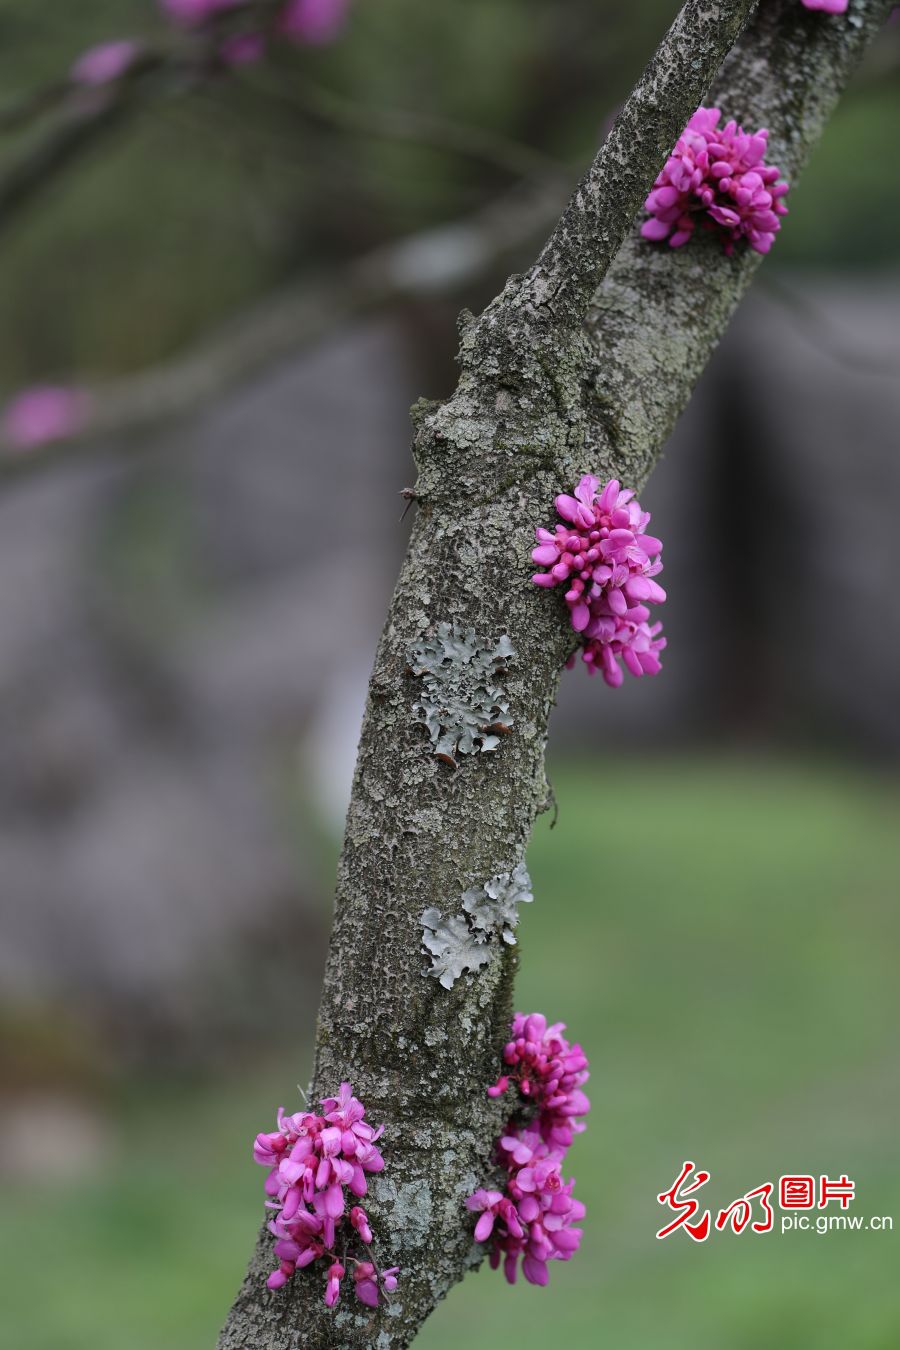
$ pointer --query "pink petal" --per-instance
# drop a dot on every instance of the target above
(535, 1271)
(581, 616)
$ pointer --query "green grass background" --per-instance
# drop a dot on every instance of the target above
(722, 936)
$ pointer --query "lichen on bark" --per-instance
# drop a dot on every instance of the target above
(463, 703)
(546, 393)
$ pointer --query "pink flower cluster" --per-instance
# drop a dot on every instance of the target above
(535, 1216)
(828, 6)
(314, 1161)
(310, 22)
(607, 560)
(307, 21)
(717, 177)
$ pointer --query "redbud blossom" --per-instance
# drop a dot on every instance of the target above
(333, 1287)
(607, 561)
(717, 178)
(535, 1216)
(314, 1161)
(366, 1284)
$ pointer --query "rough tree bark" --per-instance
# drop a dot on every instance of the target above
(561, 375)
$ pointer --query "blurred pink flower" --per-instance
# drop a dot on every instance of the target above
(44, 413)
(828, 6)
(244, 49)
(314, 21)
(104, 63)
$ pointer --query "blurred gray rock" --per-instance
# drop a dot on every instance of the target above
(157, 814)
(187, 632)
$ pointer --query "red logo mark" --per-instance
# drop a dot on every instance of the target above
(797, 1192)
(842, 1190)
(677, 1199)
(740, 1210)
(794, 1192)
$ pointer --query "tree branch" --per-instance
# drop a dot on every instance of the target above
(421, 128)
(84, 114)
(438, 261)
(660, 312)
(27, 108)
(555, 292)
(38, 165)
(518, 429)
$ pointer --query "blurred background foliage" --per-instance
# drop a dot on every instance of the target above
(723, 936)
(246, 187)
(717, 906)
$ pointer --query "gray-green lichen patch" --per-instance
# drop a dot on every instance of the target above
(453, 946)
(460, 944)
(464, 705)
(494, 907)
(405, 1207)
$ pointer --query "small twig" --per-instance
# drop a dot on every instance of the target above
(434, 262)
(557, 290)
(84, 114)
(424, 129)
(21, 112)
(36, 168)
